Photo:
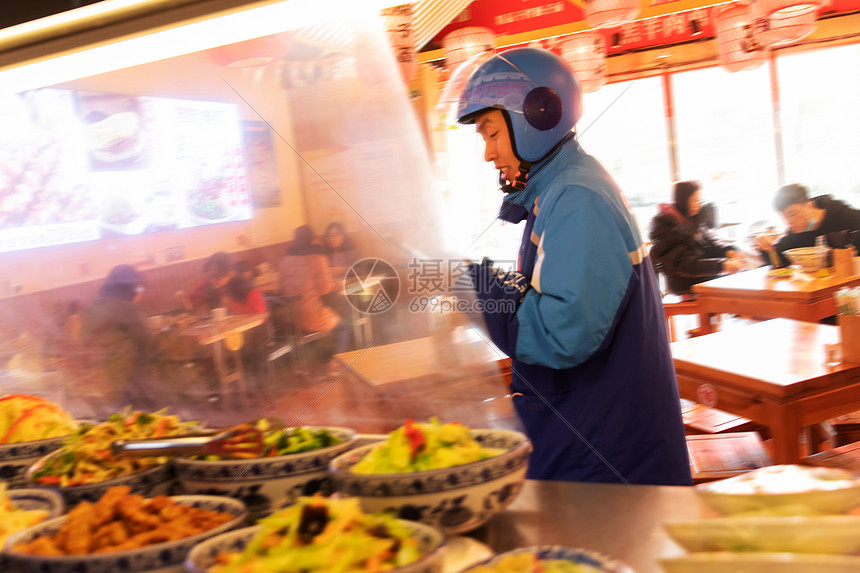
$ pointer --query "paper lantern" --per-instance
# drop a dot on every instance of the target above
(610, 13)
(398, 28)
(586, 54)
(783, 22)
(462, 44)
(250, 53)
(737, 48)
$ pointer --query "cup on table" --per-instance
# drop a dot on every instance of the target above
(219, 313)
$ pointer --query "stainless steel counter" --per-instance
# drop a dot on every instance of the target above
(616, 520)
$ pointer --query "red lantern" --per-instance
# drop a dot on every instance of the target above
(783, 22)
(462, 44)
(586, 54)
(610, 13)
(250, 53)
(737, 48)
(398, 28)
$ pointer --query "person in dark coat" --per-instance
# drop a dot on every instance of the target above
(115, 335)
(807, 219)
(684, 250)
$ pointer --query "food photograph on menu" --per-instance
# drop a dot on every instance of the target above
(79, 166)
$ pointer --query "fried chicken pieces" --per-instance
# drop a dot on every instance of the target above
(120, 521)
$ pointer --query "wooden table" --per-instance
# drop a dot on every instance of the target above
(412, 364)
(752, 293)
(773, 373)
(226, 333)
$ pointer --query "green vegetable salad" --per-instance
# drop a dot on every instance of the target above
(424, 446)
(319, 535)
(288, 441)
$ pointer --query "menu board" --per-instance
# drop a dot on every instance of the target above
(77, 166)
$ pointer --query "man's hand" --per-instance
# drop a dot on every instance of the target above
(765, 242)
(733, 265)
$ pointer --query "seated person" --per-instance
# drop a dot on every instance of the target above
(243, 298)
(684, 251)
(807, 219)
(338, 249)
(208, 294)
(118, 342)
(304, 275)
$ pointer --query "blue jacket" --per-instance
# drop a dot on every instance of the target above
(593, 379)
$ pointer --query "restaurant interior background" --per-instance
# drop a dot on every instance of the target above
(238, 122)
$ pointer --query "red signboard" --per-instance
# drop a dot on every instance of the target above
(509, 17)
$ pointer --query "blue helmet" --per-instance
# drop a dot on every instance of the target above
(537, 89)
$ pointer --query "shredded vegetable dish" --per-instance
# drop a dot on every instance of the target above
(424, 446)
(14, 519)
(319, 535)
(529, 563)
(86, 458)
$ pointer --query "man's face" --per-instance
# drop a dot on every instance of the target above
(797, 216)
(497, 143)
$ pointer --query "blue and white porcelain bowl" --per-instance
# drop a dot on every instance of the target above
(156, 480)
(34, 500)
(455, 499)
(16, 458)
(560, 553)
(158, 558)
(265, 484)
(431, 542)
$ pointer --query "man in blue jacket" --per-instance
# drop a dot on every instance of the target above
(593, 379)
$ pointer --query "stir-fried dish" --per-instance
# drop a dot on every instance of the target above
(274, 442)
(417, 446)
(319, 535)
(86, 456)
(13, 519)
(120, 522)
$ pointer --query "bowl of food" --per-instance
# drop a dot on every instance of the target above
(550, 559)
(807, 258)
(443, 475)
(784, 490)
(319, 535)
(84, 467)
(294, 463)
(832, 534)
(23, 508)
(123, 532)
(30, 428)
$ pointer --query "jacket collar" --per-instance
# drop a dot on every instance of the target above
(516, 206)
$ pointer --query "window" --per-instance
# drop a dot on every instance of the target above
(725, 140)
(624, 127)
(821, 120)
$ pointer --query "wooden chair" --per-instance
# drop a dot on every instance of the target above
(674, 305)
(719, 456)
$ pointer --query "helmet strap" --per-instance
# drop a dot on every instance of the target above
(520, 179)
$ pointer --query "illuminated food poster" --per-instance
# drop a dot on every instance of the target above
(80, 166)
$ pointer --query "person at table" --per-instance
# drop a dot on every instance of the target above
(209, 293)
(593, 379)
(682, 248)
(242, 297)
(338, 249)
(807, 219)
(305, 277)
(117, 341)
